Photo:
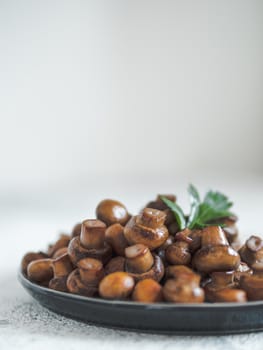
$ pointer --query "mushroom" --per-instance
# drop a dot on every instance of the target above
(60, 252)
(161, 250)
(40, 270)
(184, 287)
(242, 270)
(227, 295)
(178, 253)
(252, 253)
(90, 243)
(76, 230)
(229, 227)
(147, 228)
(215, 253)
(62, 267)
(175, 271)
(62, 242)
(141, 263)
(147, 291)
(159, 204)
(115, 264)
(111, 212)
(85, 279)
(253, 285)
(117, 285)
(26, 260)
(115, 237)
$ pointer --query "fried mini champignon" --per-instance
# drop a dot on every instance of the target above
(229, 227)
(242, 270)
(115, 237)
(252, 253)
(117, 285)
(91, 271)
(161, 250)
(116, 264)
(253, 285)
(147, 291)
(29, 257)
(40, 271)
(111, 212)
(85, 279)
(62, 267)
(62, 242)
(183, 287)
(60, 252)
(91, 243)
(76, 230)
(178, 253)
(227, 295)
(175, 271)
(219, 280)
(141, 263)
(147, 228)
(159, 204)
(215, 253)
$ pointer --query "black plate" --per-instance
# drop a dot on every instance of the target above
(218, 318)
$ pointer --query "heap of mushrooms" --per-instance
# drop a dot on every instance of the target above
(146, 258)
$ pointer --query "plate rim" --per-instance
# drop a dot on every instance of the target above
(138, 305)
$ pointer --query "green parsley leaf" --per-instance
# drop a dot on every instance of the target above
(195, 203)
(177, 211)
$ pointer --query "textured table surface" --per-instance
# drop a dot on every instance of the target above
(24, 324)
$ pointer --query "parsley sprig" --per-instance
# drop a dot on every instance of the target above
(213, 208)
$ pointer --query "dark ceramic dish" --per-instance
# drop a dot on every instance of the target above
(217, 318)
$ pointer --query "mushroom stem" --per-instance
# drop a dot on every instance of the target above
(213, 235)
(138, 258)
(91, 271)
(92, 234)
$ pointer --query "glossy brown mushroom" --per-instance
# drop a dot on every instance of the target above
(161, 250)
(159, 204)
(76, 286)
(175, 271)
(215, 253)
(184, 289)
(115, 237)
(29, 257)
(117, 285)
(138, 258)
(40, 270)
(253, 285)
(62, 267)
(229, 227)
(91, 243)
(242, 270)
(91, 271)
(85, 279)
(62, 242)
(76, 230)
(141, 263)
(60, 252)
(252, 253)
(147, 228)
(115, 264)
(227, 295)
(147, 291)
(219, 280)
(111, 212)
(178, 254)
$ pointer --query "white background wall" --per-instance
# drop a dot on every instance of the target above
(121, 89)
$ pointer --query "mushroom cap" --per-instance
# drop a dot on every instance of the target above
(216, 258)
(111, 212)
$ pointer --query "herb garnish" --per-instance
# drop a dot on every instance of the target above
(214, 206)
